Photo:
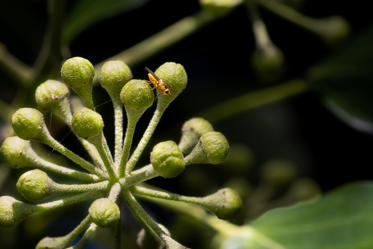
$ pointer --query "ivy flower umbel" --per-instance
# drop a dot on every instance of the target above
(108, 179)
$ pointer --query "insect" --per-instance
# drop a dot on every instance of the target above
(157, 82)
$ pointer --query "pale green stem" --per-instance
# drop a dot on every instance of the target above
(138, 176)
(67, 201)
(114, 192)
(144, 140)
(50, 141)
(131, 126)
(89, 233)
(163, 39)
(143, 217)
(147, 192)
(14, 68)
(223, 227)
(107, 151)
(98, 142)
(93, 153)
(259, 28)
(77, 188)
(252, 100)
(118, 124)
(290, 14)
(65, 241)
(197, 213)
(46, 165)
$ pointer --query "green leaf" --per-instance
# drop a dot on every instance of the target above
(342, 219)
(85, 13)
(346, 82)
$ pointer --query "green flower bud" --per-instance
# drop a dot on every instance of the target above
(212, 148)
(78, 74)
(192, 130)
(176, 79)
(28, 123)
(104, 212)
(268, 63)
(49, 94)
(14, 151)
(137, 96)
(34, 185)
(219, 7)
(224, 203)
(167, 159)
(278, 172)
(13, 211)
(53, 243)
(114, 74)
(334, 29)
(87, 123)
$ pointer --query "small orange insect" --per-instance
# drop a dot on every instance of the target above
(157, 82)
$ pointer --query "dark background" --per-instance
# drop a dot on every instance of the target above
(217, 61)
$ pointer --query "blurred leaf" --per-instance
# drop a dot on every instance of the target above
(85, 13)
(346, 80)
(342, 219)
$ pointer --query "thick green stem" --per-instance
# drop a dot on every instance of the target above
(144, 140)
(255, 99)
(259, 28)
(89, 233)
(65, 241)
(118, 124)
(163, 39)
(77, 188)
(197, 213)
(138, 176)
(115, 192)
(143, 217)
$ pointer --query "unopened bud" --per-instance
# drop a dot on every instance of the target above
(192, 130)
(137, 96)
(78, 74)
(34, 185)
(212, 148)
(224, 203)
(28, 123)
(104, 212)
(12, 211)
(87, 123)
(114, 75)
(167, 159)
(175, 78)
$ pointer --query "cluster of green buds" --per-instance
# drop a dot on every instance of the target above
(108, 178)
